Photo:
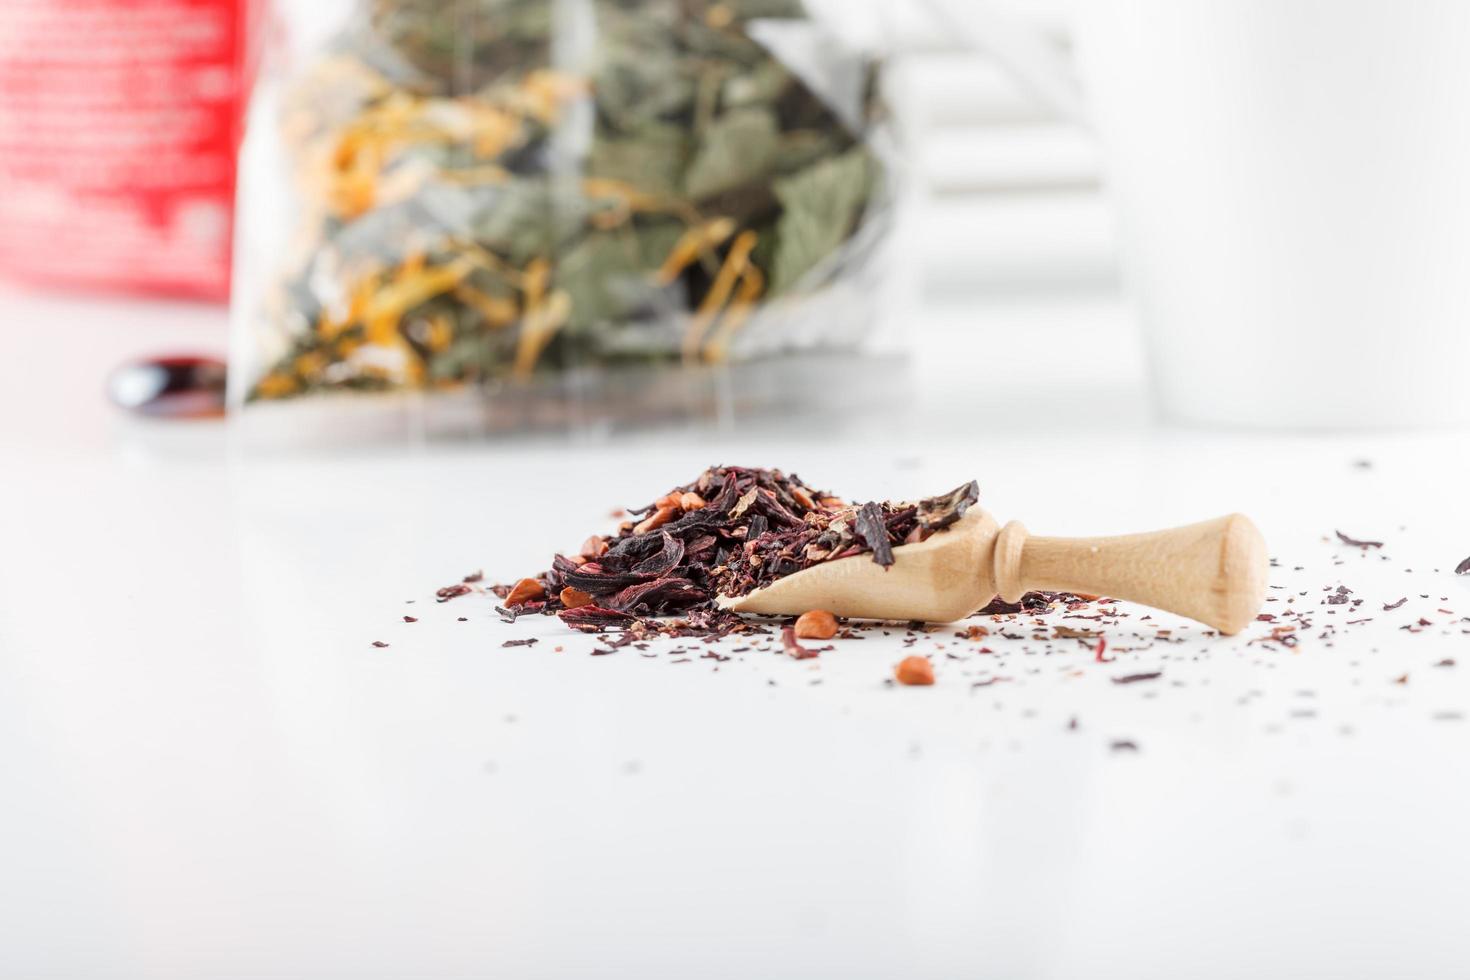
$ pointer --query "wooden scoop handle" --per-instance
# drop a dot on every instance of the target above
(1214, 571)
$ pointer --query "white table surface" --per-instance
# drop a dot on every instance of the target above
(208, 770)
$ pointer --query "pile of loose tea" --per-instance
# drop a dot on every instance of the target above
(649, 592)
(731, 531)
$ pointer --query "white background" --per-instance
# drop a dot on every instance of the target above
(209, 771)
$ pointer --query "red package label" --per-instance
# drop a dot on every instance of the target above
(118, 132)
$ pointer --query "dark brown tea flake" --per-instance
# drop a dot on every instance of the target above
(1136, 678)
(1356, 543)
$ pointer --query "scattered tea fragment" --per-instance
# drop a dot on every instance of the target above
(1137, 678)
(1463, 568)
(914, 671)
(794, 649)
(1356, 543)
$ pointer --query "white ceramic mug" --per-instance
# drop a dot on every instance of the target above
(1293, 182)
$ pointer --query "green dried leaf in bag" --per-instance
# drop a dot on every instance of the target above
(462, 45)
(762, 85)
(821, 204)
(751, 9)
(605, 275)
(652, 158)
(737, 148)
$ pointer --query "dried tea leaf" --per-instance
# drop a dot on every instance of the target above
(743, 504)
(652, 158)
(761, 86)
(661, 596)
(1356, 543)
(482, 41)
(638, 81)
(606, 279)
(806, 147)
(665, 559)
(745, 10)
(593, 618)
(821, 206)
(873, 530)
(938, 513)
(793, 648)
(736, 149)
(1136, 678)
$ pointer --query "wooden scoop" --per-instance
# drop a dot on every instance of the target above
(1214, 572)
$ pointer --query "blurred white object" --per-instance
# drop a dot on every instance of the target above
(1011, 38)
(1008, 159)
(1049, 245)
(1014, 205)
(1290, 180)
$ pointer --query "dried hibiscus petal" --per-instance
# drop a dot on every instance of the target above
(664, 560)
(591, 619)
(874, 531)
(665, 594)
(938, 513)
(594, 580)
(795, 649)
